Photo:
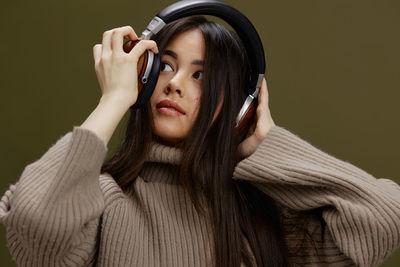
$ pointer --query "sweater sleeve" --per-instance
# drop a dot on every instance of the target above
(362, 213)
(52, 213)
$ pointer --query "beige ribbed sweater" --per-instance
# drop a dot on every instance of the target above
(52, 214)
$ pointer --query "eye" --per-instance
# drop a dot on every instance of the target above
(198, 75)
(165, 64)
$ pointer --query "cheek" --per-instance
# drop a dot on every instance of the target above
(195, 107)
(157, 90)
(194, 101)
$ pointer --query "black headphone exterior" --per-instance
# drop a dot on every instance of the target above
(239, 22)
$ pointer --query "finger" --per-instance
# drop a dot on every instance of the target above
(118, 37)
(106, 43)
(97, 53)
(262, 125)
(248, 145)
(142, 46)
(97, 57)
(263, 97)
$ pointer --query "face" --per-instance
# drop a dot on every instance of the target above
(176, 99)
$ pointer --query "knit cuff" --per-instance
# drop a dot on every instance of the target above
(283, 152)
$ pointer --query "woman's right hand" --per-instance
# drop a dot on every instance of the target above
(116, 70)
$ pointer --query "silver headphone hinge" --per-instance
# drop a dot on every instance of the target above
(150, 60)
(249, 99)
(155, 25)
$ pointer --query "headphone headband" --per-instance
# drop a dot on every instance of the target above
(239, 22)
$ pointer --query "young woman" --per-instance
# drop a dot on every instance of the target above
(183, 189)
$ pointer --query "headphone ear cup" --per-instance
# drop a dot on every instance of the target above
(141, 68)
(245, 122)
(145, 89)
(142, 63)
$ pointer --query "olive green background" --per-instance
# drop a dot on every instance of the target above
(332, 72)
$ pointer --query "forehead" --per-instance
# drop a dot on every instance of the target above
(188, 44)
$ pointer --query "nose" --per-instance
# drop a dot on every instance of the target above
(175, 85)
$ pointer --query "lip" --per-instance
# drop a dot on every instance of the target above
(170, 107)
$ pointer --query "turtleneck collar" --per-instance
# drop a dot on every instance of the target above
(164, 154)
(161, 164)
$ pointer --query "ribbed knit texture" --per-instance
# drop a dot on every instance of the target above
(54, 212)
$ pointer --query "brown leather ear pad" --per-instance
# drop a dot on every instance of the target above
(245, 123)
(145, 90)
(142, 63)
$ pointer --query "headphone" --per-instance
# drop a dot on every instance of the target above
(150, 62)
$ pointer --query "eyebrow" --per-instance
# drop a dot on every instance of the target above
(174, 55)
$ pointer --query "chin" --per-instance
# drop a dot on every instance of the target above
(168, 132)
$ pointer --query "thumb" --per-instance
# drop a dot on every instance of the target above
(97, 53)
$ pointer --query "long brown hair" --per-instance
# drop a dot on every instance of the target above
(238, 209)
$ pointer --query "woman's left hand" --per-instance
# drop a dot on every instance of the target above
(262, 124)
